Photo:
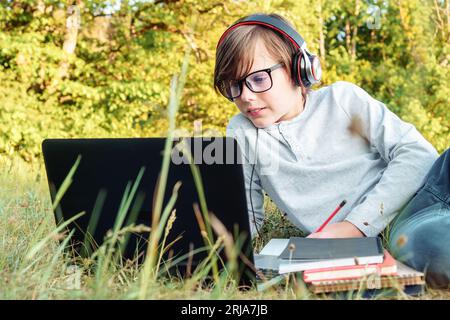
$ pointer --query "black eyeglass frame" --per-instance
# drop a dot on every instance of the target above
(242, 80)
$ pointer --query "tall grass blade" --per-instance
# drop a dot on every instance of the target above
(40, 245)
(204, 208)
(52, 264)
(110, 243)
(92, 225)
(66, 183)
(148, 273)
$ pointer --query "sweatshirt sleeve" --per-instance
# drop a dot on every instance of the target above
(256, 216)
(408, 155)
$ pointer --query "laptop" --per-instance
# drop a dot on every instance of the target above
(105, 169)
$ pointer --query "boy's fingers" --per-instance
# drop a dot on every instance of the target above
(315, 235)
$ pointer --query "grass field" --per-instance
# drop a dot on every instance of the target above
(34, 266)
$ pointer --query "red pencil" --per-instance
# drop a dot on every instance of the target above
(331, 216)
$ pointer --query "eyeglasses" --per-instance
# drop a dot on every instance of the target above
(257, 81)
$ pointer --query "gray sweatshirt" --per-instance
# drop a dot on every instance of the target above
(345, 145)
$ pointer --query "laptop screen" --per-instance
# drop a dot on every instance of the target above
(121, 175)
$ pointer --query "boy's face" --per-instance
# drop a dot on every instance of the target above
(282, 102)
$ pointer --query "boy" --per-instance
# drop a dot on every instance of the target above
(309, 150)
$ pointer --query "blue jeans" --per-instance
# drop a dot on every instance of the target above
(420, 235)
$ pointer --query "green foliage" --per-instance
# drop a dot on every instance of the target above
(116, 82)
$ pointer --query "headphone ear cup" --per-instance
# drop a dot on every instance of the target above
(309, 69)
(316, 69)
(297, 68)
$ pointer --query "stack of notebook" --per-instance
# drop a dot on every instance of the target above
(332, 265)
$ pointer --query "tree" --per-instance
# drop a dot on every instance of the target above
(109, 74)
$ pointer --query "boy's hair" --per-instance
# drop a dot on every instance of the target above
(234, 55)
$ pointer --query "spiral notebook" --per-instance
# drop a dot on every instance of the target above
(405, 277)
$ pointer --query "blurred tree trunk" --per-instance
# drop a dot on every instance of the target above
(348, 36)
(355, 29)
(73, 23)
(442, 26)
(322, 51)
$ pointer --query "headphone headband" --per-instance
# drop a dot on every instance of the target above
(272, 23)
(305, 68)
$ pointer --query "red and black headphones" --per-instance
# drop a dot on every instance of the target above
(306, 69)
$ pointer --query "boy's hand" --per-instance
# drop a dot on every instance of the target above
(343, 229)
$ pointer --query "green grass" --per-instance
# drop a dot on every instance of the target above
(26, 219)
